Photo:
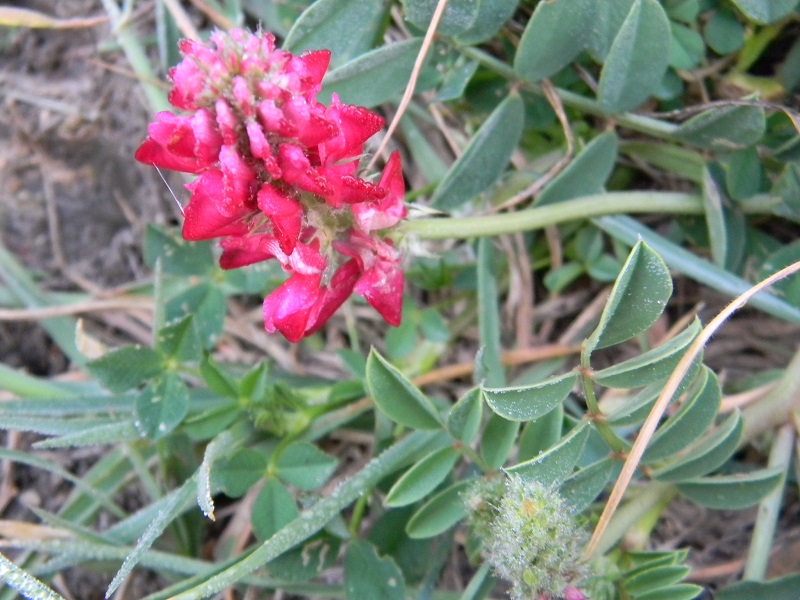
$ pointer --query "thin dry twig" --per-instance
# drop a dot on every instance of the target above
(412, 81)
(182, 19)
(539, 184)
(650, 424)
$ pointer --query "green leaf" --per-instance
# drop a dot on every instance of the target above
(708, 454)
(423, 477)
(217, 380)
(584, 486)
(498, 439)
(273, 509)
(305, 466)
(651, 366)
(366, 575)
(765, 11)
(372, 78)
(655, 578)
(637, 299)
(690, 421)
(206, 304)
(683, 162)
(177, 255)
(686, 48)
(553, 466)
(541, 434)
(743, 173)
(489, 368)
(439, 513)
(608, 19)
(464, 418)
(240, 472)
(161, 406)
(348, 28)
(485, 158)
(787, 189)
(490, 16)
(637, 60)
(125, 368)
(782, 588)
(723, 32)
(681, 591)
(531, 401)
(397, 397)
(586, 174)
(713, 199)
(725, 128)
(179, 340)
(24, 583)
(555, 34)
(732, 492)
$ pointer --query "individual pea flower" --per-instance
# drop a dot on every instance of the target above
(528, 536)
(278, 177)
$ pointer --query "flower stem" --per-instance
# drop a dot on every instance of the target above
(540, 217)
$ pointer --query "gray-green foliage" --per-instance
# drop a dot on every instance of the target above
(528, 535)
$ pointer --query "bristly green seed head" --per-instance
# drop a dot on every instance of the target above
(530, 537)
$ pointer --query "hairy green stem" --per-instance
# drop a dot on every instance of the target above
(540, 217)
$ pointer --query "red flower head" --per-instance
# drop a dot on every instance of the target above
(278, 177)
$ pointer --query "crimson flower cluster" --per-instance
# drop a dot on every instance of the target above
(277, 177)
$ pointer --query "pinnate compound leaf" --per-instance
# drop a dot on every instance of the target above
(397, 397)
(556, 33)
(423, 477)
(582, 487)
(348, 28)
(439, 513)
(553, 466)
(374, 77)
(654, 365)
(732, 492)
(305, 466)
(125, 368)
(585, 175)
(273, 509)
(708, 454)
(690, 421)
(485, 158)
(161, 406)
(638, 58)
(530, 401)
(637, 299)
(726, 128)
(765, 11)
(464, 419)
(367, 575)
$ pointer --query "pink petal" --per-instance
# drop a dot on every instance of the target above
(339, 289)
(287, 308)
(245, 250)
(203, 218)
(171, 145)
(390, 209)
(382, 287)
(285, 213)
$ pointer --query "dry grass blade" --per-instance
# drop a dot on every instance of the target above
(23, 17)
(412, 81)
(649, 426)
